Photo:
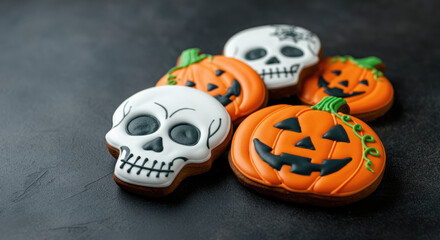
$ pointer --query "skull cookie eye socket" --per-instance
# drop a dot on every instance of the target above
(291, 51)
(185, 134)
(143, 125)
(255, 54)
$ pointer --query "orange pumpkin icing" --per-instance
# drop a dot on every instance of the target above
(355, 172)
(240, 89)
(358, 81)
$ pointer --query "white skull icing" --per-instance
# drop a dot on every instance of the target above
(159, 130)
(277, 52)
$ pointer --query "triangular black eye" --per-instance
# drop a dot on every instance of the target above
(344, 83)
(190, 83)
(337, 133)
(290, 124)
(305, 143)
(365, 82)
(336, 72)
(211, 87)
(219, 72)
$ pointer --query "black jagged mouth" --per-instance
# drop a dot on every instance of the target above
(138, 165)
(299, 165)
(233, 90)
(335, 91)
(279, 72)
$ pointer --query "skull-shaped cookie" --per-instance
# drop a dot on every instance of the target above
(162, 135)
(281, 54)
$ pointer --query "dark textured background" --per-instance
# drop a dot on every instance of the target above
(66, 66)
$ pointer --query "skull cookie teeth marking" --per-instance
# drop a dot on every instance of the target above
(159, 130)
(277, 72)
(277, 52)
(151, 169)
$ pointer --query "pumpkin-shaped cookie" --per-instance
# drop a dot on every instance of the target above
(233, 83)
(313, 155)
(359, 81)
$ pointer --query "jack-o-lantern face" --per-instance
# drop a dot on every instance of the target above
(359, 81)
(315, 151)
(234, 84)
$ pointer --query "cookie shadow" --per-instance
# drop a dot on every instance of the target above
(381, 200)
(202, 183)
(393, 115)
(292, 100)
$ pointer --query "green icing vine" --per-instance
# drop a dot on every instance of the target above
(368, 63)
(331, 105)
(187, 58)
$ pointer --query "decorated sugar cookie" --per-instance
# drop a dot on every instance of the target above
(282, 54)
(164, 134)
(360, 82)
(316, 155)
(234, 84)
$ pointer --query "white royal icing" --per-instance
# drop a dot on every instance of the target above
(270, 61)
(170, 106)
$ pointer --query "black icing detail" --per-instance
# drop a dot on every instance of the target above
(154, 168)
(322, 82)
(185, 134)
(337, 92)
(142, 125)
(219, 72)
(233, 90)
(291, 33)
(336, 72)
(211, 87)
(128, 155)
(305, 143)
(337, 133)
(290, 51)
(180, 109)
(134, 164)
(275, 71)
(364, 82)
(155, 145)
(124, 114)
(290, 124)
(272, 60)
(299, 165)
(333, 165)
(344, 83)
(190, 83)
(215, 131)
(255, 54)
(148, 169)
(164, 108)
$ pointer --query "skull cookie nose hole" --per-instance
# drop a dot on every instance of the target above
(272, 60)
(154, 145)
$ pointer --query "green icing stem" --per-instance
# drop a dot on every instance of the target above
(331, 105)
(187, 58)
(367, 63)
